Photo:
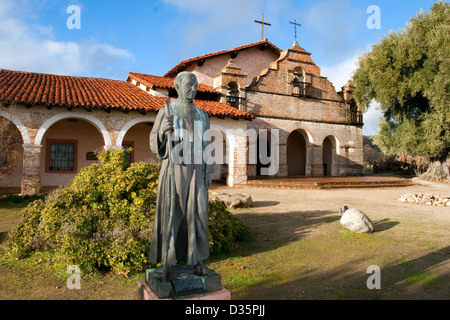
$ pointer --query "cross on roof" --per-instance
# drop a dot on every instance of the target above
(295, 27)
(263, 24)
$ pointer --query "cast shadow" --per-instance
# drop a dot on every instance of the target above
(262, 204)
(270, 231)
(3, 236)
(406, 280)
(384, 224)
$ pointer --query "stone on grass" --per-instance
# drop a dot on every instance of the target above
(429, 199)
(355, 220)
(233, 200)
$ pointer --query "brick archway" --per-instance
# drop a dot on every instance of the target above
(71, 115)
(298, 145)
(129, 125)
(23, 130)
(329, 155)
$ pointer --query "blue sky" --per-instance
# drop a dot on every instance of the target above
(152, 36)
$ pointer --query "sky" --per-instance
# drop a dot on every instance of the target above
(110, 38)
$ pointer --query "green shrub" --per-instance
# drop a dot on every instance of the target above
(103, 220)
(225, 229)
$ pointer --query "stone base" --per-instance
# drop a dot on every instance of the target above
(183, 280)
(145, 293)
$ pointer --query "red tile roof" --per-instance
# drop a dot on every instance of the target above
(27, 88)
(218, 109)
(184, 64)
(164, 82)
(30, 89)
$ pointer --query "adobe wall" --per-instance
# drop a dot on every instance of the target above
(299, 108)
(280, 74)
(348, 157)
(272, 94)
(95, 131)
(88, 139)
(251, 60)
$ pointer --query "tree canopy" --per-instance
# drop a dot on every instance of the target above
(408, 73)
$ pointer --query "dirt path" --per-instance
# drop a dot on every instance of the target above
(311, 256)
(377, 203)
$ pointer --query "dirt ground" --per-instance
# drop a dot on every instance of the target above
(299, 251)
(410, 244)
(378, 203)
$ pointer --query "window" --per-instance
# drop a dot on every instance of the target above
(299, 74)
(61, 156)
(300, 88)
(129, 154)
(233, 98)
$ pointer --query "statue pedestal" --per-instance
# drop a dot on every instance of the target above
(145, 293)
(182, 283)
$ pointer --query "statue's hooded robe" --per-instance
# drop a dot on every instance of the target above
(190, 237)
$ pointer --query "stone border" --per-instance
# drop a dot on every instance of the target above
(429, 199)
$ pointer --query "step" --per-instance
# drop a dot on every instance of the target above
(318, 184)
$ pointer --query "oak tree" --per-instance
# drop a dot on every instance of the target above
(408, 74)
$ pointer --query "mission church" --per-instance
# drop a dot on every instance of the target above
(62, 122)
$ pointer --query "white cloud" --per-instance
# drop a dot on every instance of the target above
(5, 6)
(340, 73)
(29, 47)
(333, 24)
(371, 119)
(203, 25)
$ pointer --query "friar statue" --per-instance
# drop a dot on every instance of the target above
(180, 229)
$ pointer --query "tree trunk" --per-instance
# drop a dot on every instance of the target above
(438, 170)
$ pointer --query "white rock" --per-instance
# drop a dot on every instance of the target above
(234, 200)
(426, 199)
(355, 220)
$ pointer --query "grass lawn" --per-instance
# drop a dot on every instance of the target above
(298, 251)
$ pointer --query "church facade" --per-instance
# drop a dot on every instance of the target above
(259, 98)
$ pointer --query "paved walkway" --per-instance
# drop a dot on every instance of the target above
(440, 185)
(298, 182)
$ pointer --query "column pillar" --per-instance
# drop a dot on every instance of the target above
(237, 162)
(283, 168)
(314, 161)
(31, 178)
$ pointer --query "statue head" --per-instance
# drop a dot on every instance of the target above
(186, 85)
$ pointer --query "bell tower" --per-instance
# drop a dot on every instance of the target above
(230, 82)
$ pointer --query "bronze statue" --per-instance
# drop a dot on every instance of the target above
(181, 222)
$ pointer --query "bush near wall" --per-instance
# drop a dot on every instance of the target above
(104, 219)
(402, 164)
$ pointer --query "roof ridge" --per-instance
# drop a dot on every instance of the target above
(147, 74)
(169, 74)
(58, 75)
(233, 49)
(167, 82)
